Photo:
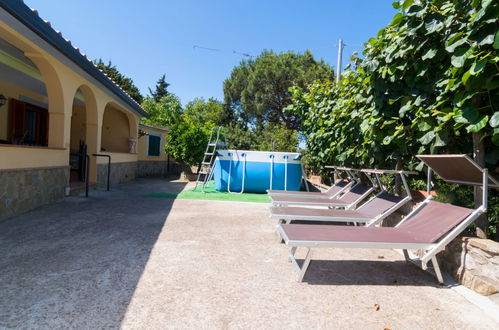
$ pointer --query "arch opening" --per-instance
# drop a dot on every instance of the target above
(83, 135)
(24, 119)
(116, 132)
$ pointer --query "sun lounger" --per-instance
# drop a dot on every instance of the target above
(347, 200)
(428, 228)
(372, 212)
(339, 187)
(332, 192)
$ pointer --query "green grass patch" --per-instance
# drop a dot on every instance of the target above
(213, 195)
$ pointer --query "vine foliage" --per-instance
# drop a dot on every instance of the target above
(427, 83)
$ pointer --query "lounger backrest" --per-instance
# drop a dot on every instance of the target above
(379, 204)
(434, 220)
(337, 187)
(355, 193)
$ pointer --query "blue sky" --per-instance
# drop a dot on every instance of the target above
(147, 38)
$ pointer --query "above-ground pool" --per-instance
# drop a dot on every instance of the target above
(257, 171)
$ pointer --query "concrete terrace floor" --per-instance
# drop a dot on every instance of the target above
(119, 259)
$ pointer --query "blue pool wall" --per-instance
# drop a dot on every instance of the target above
(258, 167)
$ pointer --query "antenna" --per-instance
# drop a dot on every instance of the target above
(221, 50)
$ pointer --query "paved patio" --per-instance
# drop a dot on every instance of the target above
(119, 259)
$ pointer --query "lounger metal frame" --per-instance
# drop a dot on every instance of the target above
(334, 204)
(428, 252)
(326, 202)
(351, 177)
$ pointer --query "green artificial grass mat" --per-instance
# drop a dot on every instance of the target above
(213, 195)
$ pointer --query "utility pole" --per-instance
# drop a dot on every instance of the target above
(340, 55)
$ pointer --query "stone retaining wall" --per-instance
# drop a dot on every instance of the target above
(152, 168)
(120, 173)
(22, 190)
(157, 168)
(473, 262)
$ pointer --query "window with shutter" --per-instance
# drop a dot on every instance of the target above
(28, 124)
(154, 145)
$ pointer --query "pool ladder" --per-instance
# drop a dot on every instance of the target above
(205, 172)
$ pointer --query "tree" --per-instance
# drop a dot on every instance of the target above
(258, 89)
(121, 80)
(160, 89)
(165, 112)
(186, 138)
(186, 141)
(211, 112)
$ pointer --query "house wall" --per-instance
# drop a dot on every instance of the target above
(78, 126)
(123, 168)
(22, 190)
(31, 177)
(142, 145)
(17, 157)
(153, 166)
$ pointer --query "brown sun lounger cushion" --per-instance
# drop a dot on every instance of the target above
(298, 213)
(370, 210)
(379, 204)
(428, 226)
(327, 233)
(434, 220)
(355, 193)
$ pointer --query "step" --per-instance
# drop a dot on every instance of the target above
(208, 153)
(205, 163)
(216, 144)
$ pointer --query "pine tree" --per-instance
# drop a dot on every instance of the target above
(124, 82)
(161, 89)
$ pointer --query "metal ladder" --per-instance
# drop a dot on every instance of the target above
(205, 172)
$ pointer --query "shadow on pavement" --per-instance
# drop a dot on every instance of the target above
(77, 263)
(367, 272)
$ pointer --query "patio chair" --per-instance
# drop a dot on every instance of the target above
(372, 212)
(427, 229)
(341, 185)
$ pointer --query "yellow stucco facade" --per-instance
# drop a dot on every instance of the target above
(58, 102)
(104, 121)
(143, 143)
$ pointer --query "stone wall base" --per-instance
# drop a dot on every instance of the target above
(22, 190)
(120, 173)
(474, 263)
(152, 169)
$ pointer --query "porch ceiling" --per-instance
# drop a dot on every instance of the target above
(16, 69)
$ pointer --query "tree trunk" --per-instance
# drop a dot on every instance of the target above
(479, 156)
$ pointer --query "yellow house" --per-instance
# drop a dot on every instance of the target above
(54, 102)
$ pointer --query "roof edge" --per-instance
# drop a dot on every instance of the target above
(19, 10)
